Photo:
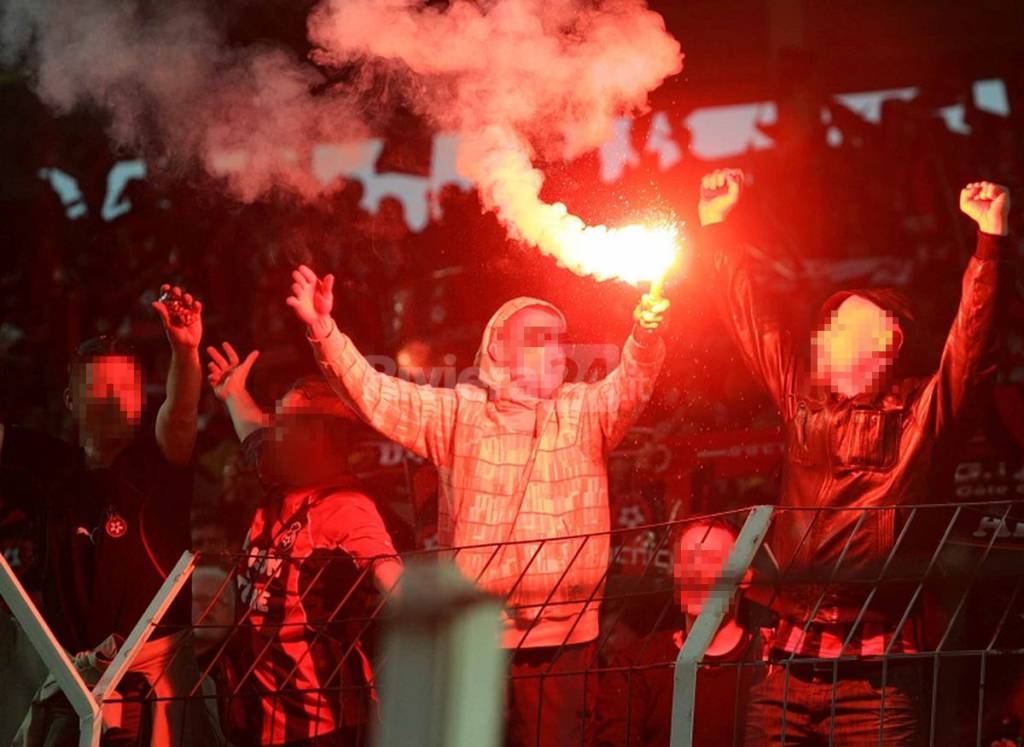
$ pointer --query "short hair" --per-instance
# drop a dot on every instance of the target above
(104, 346)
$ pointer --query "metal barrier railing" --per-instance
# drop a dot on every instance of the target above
(302, 654)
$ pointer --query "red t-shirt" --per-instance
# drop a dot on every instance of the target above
(306, 582)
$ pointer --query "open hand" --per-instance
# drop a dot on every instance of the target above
(229, 376)
(312, 299)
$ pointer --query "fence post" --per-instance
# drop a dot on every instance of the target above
(707, 623)
(443, 668)
(57, 662)
(144, 628)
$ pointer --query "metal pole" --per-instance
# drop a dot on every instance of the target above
(708, 621)
(144, 628)
(57, 662)
(443, 673)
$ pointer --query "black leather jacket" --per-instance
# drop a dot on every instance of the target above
(851, 453)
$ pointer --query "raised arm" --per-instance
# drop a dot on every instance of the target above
(420, 418)
(618, 399)
(229, 377)
(765, 346)
(177, 419)
(969, 354)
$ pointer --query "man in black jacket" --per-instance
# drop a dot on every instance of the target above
(858, 436)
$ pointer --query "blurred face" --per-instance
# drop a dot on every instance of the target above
(302, 451)
(855, 350)
(703, 552)
(532, 345)
(106, 397)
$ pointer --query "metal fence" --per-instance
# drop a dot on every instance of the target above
(705, 625)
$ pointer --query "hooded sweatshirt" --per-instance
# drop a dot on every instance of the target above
(533, 534)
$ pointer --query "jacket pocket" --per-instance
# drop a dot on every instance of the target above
(802, 431)
(870, 439)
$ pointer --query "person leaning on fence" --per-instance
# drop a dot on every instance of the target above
(858, 434)
(314, 546)
(521, 463)
(112, 513)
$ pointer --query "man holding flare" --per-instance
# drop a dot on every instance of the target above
(521, 462)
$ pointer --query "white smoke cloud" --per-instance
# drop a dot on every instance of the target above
(518, 79)
(515, 79)
(168, 81)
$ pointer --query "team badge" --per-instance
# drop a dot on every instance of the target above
(116, 525)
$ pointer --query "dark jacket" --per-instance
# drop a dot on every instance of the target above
(852, 453)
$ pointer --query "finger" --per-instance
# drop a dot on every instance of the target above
(199, 307)
(176, 290)
(328, 284)
(298, 290)
(161, 309)
(307, 273)
(294, 303)
(164, 288)
(299, 278)
(250, 359)
(217, 357)
(188, 299)
(230, 350)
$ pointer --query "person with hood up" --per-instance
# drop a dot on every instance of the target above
(860, 434)
(523, 481)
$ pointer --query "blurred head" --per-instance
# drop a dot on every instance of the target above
(856, 344)
(702, 552)
(531, 345)
(312, 432)
(105, 391)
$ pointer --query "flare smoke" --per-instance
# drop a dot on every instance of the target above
(516, 79)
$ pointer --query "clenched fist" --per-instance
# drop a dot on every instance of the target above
(650, 312)
(988, 204)
(312, 298)
(719, 193)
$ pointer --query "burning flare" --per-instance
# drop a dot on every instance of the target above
(510, 185)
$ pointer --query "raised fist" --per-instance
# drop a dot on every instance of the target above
(988, 204)
(312, 299)
(719, 193)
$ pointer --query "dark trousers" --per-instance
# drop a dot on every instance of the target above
(856, 710)
(546, 706)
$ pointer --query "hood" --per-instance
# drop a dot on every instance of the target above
(492, 374)
(889, 299)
